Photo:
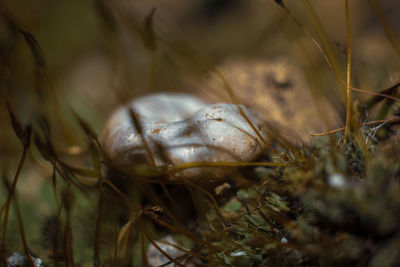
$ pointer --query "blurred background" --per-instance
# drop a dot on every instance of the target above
(101, 53)
(96, 55)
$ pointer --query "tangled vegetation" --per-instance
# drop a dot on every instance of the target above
(332, 199)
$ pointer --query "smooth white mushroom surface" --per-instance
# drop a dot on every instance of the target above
(179, 128)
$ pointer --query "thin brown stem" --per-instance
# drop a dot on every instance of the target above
(115, 250)
(143, 245)
(348, 78)
(96, 257)
(329, 132)
(375, 94)
(8, 202)
(22, 232)
(97, 167)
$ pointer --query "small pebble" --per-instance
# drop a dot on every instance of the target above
(337, 180)
(20, 260)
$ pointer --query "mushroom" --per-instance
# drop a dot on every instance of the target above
(179, 129)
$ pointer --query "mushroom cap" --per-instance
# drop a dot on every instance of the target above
(182, 129)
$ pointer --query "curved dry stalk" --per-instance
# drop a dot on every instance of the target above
(374, 93)
(329, 132)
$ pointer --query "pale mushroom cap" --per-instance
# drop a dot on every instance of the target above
(187, 130)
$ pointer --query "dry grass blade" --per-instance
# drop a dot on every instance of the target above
(113, 187)
(149, 35)
(52, 238)
(23, 133)
(46, 150)
(125, 231)
(54, 186)
(90, 133)
(17, 127)
(189, 165)
(68, 239)
(83, 171)
(115, 250)
(40, 62)
(97, 166)
(22, 233)
(325, 42)
(93, 173)
(348, 77)
(138, 128)
(24, 136)
(143, 248)
(314, 41)
(35, 49)
(329, 132)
